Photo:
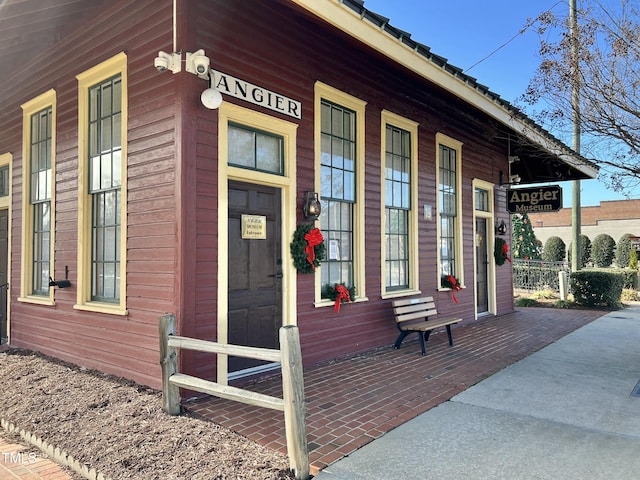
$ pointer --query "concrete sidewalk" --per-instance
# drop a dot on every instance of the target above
(569, 411)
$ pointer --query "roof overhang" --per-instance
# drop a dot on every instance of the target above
(529, 140)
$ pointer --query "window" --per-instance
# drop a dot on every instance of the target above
(338, 192)
(449, 218)
(40, 193)
(38, 196)
(481, 199)
(255, 150)
(399, 196)
(105, 180)
(102, 169)
(340, 144)
(4, 181)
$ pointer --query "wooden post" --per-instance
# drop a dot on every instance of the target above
(294, 403)
(169, 363)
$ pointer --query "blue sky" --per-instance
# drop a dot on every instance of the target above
(467, 31)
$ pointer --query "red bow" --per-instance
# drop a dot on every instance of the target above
(505, 250)
(313, 238)
(454, 287)
(343, 294)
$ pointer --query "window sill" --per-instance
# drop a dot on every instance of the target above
(47, 301)
(100, 307)
(330, 303)
(400, 293)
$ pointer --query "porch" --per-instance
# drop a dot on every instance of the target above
(355, 400)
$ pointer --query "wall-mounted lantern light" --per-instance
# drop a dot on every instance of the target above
(311, 207)
(501, 229)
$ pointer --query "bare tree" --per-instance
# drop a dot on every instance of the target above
(609, 85)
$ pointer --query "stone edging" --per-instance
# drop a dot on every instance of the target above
(54, 453)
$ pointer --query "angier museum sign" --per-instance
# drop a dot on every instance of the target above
(539, 199)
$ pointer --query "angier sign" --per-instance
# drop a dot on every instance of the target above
(540, 199)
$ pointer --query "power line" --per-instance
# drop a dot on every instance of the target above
(530, 23)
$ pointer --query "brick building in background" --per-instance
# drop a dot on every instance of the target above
(613, 217)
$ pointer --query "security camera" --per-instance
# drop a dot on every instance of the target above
(168, 61)
(202, 64)
(198, 63)
(161, 63)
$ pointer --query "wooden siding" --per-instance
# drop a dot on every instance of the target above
(289, 57)
(122, 345)
(172, 253)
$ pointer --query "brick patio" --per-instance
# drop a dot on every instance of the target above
(352, 401)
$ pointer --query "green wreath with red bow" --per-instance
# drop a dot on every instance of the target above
(339, 293)
(501, 251)
(307, 248)
(449, 281)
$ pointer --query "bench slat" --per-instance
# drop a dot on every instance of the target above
(415, 308)
(414, 315)
(431, 324)
(411, 301)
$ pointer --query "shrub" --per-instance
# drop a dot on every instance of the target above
(585, 251)
(630, 278)
(546, 294)
(623, 251)
(554, 250)
(603, 250)
(526, 302)
(596, 288)
(633, 259)
(563, 304)
(629, 295)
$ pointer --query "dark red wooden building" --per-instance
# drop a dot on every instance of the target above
(125, 198)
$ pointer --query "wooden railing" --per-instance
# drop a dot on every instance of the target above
(292, 403)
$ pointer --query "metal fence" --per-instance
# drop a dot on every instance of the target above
(535, 275)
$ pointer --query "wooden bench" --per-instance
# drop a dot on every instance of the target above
(412, 315)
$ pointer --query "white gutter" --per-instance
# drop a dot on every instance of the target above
(347, 20)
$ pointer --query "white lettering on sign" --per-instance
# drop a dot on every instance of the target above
(251, 93)
(533, 197)
(537, 199)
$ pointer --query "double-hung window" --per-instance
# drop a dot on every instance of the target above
(338, 191)
(340, 143)
(449, 208)
(40, 198)
(102, 110)
(399, 163)
(38, 193)
(105, 181)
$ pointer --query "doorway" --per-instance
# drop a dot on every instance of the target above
(254, 270)
(482, 267)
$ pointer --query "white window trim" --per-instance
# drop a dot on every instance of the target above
(326, 92)
(45, 100)
(113, 66)
(389, 118)
(442, 139)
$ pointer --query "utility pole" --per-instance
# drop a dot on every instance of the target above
(576, 251)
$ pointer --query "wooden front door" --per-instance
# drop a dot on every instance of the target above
(4, 263)
(255, 270)
(482, 266)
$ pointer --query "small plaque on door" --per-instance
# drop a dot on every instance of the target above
(254, 227)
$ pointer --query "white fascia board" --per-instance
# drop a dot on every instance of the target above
(347, 20)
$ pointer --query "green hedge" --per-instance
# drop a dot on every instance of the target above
(597, 288)
(630, 278)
